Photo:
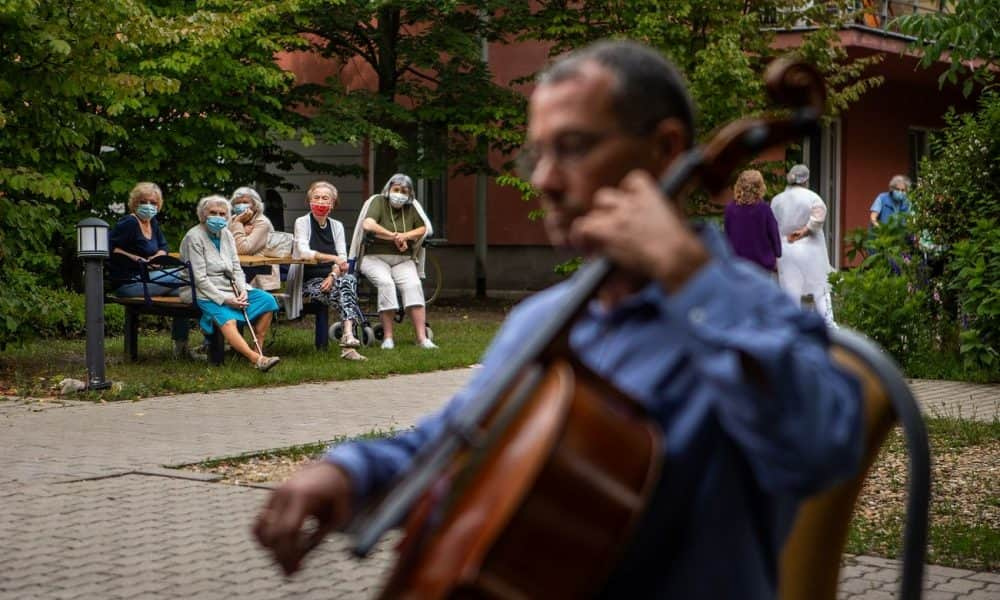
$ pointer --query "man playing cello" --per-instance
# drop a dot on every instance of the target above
(755, 416)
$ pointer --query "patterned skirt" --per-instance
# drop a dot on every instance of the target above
(342, 295)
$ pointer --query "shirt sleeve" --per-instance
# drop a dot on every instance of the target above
(817, 216)
(193, 250)
(793, 412)
(772, 232)
(161, 240)
(230, 245)
(255, 242)
(303, 231)
(339, 239)
(877, 205)
(371, 464)
(121, 234)
(374, 211)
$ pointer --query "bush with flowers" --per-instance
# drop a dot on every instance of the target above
(928, 289)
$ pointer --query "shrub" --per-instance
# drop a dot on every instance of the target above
(975, 278)
(960, 184)
(46, 312)
(885, 307)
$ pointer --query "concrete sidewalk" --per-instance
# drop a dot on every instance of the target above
(90, 512)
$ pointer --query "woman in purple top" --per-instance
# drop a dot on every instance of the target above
(750, 224)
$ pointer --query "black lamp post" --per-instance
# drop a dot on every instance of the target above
(92, 247)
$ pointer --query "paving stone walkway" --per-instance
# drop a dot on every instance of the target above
(89, 511)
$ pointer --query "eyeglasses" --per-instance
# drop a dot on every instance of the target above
(567, 150)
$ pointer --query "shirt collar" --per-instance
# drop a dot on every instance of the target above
(652, 294)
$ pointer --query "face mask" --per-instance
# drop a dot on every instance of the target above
(397, 200)
(319, 211)
(146, 211)
(898, 196)
(215, 223)
(239, 209)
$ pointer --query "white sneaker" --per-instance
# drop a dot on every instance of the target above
(427, 343)
(388, 344)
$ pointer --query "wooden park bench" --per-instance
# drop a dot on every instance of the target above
(174, 306)
(165, 306)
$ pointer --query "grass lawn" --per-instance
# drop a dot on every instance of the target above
(36, 369)
(965, 497)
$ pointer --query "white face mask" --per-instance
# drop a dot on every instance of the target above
(397, 200)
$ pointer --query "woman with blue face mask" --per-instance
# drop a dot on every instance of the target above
(136, 239)
(891, 203)
(222, 292)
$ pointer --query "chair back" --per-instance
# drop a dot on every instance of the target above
(810, 559)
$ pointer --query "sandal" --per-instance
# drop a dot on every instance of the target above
(264, 363)
(351, 354)
(350, 342)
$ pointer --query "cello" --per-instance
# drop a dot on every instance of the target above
(488, 506)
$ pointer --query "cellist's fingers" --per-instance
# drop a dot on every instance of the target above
(279, 529)
(641, 231)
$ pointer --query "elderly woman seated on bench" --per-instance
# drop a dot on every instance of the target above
(137, 239)
(223, 295)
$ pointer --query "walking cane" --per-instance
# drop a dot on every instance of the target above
(246, 317)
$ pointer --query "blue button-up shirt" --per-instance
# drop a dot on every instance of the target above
(741, 451)
(886, 206)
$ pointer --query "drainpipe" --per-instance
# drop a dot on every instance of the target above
(480, 216)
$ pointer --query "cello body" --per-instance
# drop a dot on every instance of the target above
(543, 509)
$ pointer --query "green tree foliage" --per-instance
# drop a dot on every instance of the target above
(968, 36)
(948, 253)
(430, 103)
(957, 210)
(960, 184)
(98, 94)
(722, 46)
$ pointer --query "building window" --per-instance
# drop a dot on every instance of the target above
(433, 195)
(918, 148)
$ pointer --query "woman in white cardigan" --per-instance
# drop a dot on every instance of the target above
(322, 239)
(211, 250)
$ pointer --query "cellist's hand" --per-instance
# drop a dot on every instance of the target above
(634, 226)
(321, 491)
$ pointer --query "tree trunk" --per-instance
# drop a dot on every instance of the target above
(386, 157)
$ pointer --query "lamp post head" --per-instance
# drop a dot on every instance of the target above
(92, 238)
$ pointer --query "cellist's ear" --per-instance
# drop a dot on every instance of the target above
(669, 140)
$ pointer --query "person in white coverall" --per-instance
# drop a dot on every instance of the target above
(804, 265)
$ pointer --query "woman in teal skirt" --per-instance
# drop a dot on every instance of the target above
(223, 295)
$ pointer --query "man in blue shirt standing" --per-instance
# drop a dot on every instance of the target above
(891, 203)
(755, 415)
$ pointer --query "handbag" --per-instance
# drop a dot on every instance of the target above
(279, 245)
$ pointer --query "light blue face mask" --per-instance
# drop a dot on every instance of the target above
(146, 211)
(398, 200)
(239, 209)
(898, 195)
(215, 223)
